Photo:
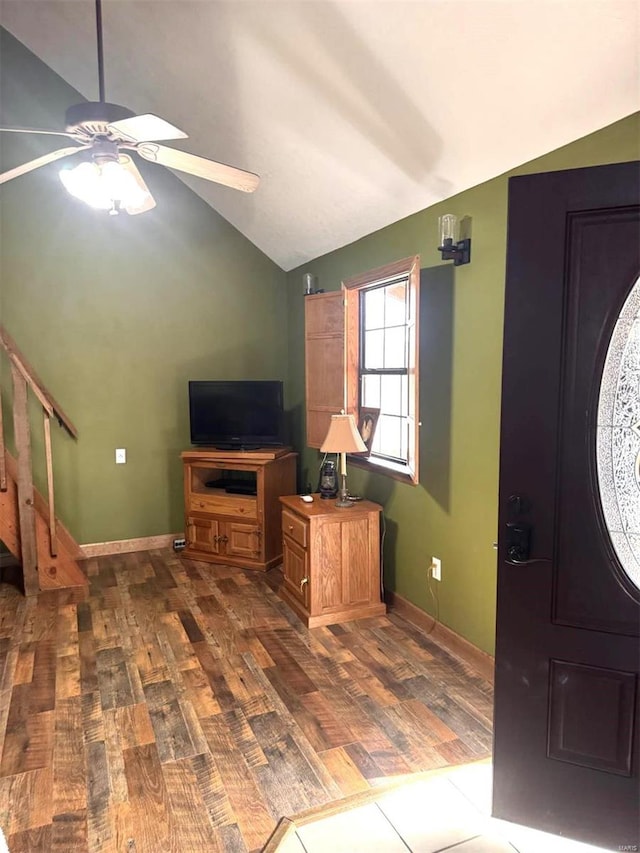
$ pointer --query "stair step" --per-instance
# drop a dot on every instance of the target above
(59, 572)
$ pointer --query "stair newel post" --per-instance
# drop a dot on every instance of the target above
(26, 511)
(3, 458)
(53, 538)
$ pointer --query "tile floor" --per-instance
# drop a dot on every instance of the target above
(448, 812)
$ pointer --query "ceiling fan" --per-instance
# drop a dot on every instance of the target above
(107, 177)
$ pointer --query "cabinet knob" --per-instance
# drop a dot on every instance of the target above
(303, 582)
(291, 527)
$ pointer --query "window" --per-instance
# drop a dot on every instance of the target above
(382, 342)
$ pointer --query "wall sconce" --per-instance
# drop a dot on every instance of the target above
(309, 283)
(451, 247)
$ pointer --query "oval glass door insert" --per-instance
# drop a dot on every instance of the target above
(618, 437)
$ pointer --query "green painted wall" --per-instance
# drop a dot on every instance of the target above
(452, 514)
(116, 314)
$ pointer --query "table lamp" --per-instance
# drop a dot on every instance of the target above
(343, 437)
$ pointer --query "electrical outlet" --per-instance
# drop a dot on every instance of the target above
(179, 544)
(121, 456)
(436, 569)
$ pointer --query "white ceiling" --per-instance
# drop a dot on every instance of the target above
(355, 113)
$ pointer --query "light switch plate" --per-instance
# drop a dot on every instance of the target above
(121, 456)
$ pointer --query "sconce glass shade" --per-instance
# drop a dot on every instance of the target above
(343, 437)
(451, 247)
(449, 230)
(106, 185)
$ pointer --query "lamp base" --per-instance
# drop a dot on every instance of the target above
(343, 495)
(343, 504)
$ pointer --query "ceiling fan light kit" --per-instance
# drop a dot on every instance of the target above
(106, 183)
(108, 179)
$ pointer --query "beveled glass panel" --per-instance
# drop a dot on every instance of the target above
(618, 437)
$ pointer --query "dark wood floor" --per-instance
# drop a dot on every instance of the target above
(178, 706)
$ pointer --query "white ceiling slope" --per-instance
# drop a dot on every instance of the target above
(354, 113)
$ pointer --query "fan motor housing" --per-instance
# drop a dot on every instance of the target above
(94, 115)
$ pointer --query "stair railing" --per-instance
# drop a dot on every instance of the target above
(24, 377)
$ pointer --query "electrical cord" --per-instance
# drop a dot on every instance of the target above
(436, 601)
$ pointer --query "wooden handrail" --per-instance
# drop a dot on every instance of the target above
(48, 402)
(3, 460)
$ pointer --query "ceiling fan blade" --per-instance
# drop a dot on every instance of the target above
(147, 128)
(40, 161)
(148, 201)
(34, 130)
(219, 173)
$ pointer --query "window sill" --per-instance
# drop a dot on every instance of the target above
(388, 469)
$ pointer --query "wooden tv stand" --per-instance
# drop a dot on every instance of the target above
(223, 523)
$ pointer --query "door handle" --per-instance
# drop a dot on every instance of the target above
(518, 541)
(518, 533)
(302, 583)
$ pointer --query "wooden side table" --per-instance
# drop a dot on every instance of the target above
(331, 560)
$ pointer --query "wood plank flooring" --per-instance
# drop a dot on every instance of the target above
(181, 706)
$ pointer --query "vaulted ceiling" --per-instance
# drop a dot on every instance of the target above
(355, 113)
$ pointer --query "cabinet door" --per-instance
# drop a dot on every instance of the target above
(202, 535)
(243, 540)
(295, 567)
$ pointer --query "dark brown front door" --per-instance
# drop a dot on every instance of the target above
(567, 734)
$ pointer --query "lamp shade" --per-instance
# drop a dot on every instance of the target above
(343, 436)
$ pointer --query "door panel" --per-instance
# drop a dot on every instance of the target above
(566, 694)
(595, 293)
(296, 570)
(585, 703)
(243, 540)
(202, 534)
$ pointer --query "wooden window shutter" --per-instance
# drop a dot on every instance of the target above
(325, 368)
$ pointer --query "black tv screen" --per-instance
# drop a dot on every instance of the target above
(236, 414)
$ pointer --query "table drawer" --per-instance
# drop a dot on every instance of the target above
(295, 528)
(224, 504)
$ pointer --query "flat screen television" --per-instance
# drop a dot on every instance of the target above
(236, 414)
